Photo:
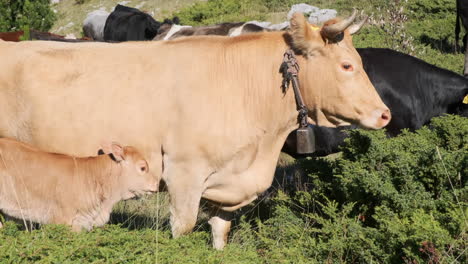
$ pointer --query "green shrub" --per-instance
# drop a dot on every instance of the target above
(113, 244)
(386, 200)
(18, 14)
(218, 11)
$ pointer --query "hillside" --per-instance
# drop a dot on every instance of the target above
(424, 29)
(70, 13)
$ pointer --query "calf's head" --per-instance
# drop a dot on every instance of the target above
(135, 178)
(334, 84)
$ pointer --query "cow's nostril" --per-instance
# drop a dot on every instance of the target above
(386, 115)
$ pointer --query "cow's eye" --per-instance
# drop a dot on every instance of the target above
(347, 66)
(143, 169)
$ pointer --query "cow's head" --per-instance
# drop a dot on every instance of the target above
(134, 178)
(335, 86)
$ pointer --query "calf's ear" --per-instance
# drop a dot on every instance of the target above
(115, 149)
(306, 38)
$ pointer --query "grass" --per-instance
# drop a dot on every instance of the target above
(291, 223)
(112, 244)
(433, 37)
(70, 15)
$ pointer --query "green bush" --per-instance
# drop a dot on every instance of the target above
(19, 14)
(218, 11)
(385, 200)
(112, 244)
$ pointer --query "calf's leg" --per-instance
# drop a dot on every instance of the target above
(66, 217)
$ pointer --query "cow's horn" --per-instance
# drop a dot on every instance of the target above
(353, 29)
(331, 31)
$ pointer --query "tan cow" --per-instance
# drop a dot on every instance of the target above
(208, 111)
(53, 188)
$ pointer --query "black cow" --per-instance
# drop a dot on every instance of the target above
(462, 16)
(414, 90)
(127, 23)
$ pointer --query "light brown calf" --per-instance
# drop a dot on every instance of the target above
(55, 188)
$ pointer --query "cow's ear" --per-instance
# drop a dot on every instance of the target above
(306, 38)
(115, 149)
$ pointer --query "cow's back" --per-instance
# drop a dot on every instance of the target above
(37, 185)
(60, 91)
(137, 94)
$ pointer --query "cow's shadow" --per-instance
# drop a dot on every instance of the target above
(132, 221)
(289, 178)
(149, 214)
(444, 45)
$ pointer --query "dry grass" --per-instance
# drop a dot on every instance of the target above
(150, 212)
(70, 15)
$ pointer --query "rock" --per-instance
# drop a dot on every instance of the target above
(302, 8)
(140, 5)
(315, 15)
(70, 36)
(124, 2)
(280, 26)
(322, 15)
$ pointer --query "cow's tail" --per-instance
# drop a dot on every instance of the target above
(457, 27)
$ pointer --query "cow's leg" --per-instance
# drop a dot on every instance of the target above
(220, 223)
(102, 216)
(76, 228)
(185, 186)
(66, 217)
(1, 225)
(465, 71)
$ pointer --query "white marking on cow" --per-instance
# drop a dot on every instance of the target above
(237, 32)
(174, 29)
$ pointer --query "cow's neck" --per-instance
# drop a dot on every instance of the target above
(451, 96)
(101, 174)
(267, 104)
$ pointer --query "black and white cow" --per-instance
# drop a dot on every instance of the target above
(93, 25)
(414, 90)
(127, 23)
